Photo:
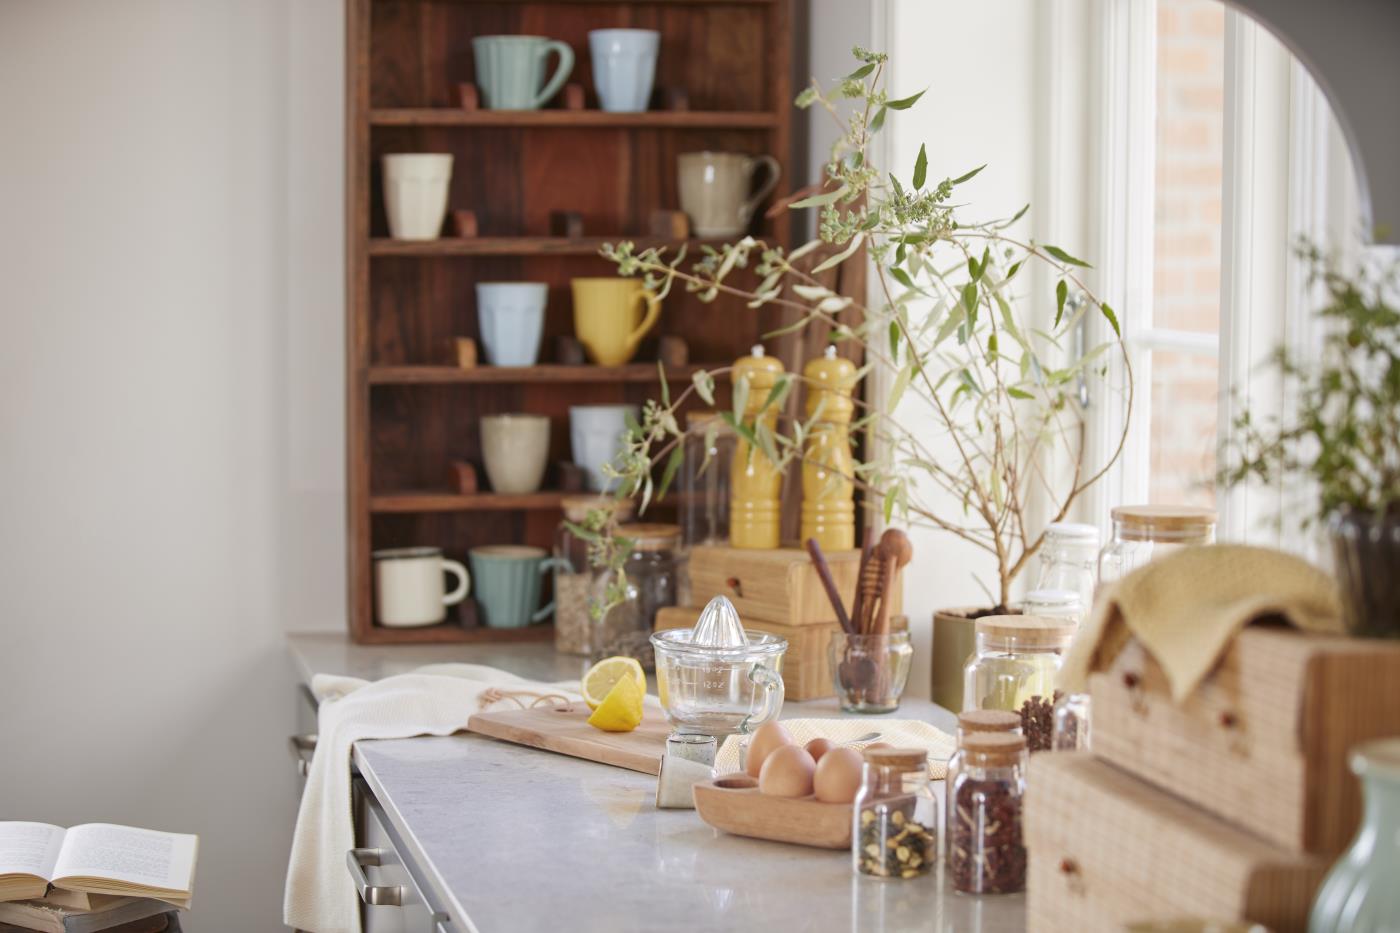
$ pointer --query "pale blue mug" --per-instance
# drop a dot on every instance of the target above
(624, 67)
(510, 317)
(506, 580)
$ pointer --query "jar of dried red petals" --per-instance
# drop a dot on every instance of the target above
(986, 849)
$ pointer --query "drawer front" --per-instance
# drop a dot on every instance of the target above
(415, 914)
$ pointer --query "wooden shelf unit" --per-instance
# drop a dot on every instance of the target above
(410, 413)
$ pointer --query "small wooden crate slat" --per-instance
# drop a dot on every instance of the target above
(1263, 741)
(1107, 849)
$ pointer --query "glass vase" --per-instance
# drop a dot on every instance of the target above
(1360, 894)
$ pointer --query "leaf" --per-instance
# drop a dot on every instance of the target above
(920, 167)
(901, 382)
(1063, 256)
(1112, 318)
(704, 386)
(1061, 293)
(833, 304)
(819, 200)
(877, 121)
(904, 103)
(969, 176)
(812, 292)
(1017, 216)
(665, 385)
(969, 298)
(803, 250)
(778, 392)
(673, 463)
(1018, 393)
(1011, 273)
(842, 256)
(992, 344)
(741, 397)
(860, 72)
(894, 340)
(888, 508)
(902, 277)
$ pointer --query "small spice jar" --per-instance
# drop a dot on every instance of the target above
(1069, 560)
(574, 576)
(1071, 723)
(895, 831)
(969, 722)
(625, 629)
(1144, 532)
(986, 849)
(1017, 658)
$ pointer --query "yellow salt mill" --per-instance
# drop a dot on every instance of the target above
(755, 485)
(828, 501)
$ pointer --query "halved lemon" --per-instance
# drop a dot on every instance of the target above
(621, 709)
(602, 676)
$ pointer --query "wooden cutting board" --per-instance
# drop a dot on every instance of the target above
(567, 731)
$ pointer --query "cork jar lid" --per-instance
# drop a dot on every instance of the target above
(651, 536)
(988, 720)
(993, 748)
(1163, 522)
(576, 508)
(897, 759)
(1026, 631)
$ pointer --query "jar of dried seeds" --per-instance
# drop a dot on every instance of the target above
(972, 721)
(895, 832)
(573, 576)
(986, 849)
(625, 629)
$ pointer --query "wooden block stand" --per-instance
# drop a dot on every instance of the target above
(411, 410)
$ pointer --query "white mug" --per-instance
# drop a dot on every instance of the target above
(597, 434)
(409, 586)
(415, 194)
(624, 65)
(510, 316)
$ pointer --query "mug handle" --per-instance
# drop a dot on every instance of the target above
(561, 74)
(545, 567)
(464, 582)
(771, 182)
(653, 312)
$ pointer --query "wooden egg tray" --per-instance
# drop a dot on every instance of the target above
(732, 803)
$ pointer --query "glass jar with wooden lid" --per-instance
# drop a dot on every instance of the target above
(986, 848)
(969, 722)
(1143, 532)
(574, 577)
(1017, 658)
(650, 571)
(894, 831)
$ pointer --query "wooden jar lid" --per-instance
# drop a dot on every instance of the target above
(899, 759)
(1027, 631)
(993, 748)
(651, 536)
(988, 720)
(576, 508)
(1173, 522)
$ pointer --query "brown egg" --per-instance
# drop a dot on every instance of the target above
(818, 747)
(838, 776)
(788, 772)
(769, 736)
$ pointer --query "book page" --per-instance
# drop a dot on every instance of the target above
(29, 848)
(136, 856)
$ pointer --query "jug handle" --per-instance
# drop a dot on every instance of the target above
(773, 692)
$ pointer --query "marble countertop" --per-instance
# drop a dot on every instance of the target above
(517, 839)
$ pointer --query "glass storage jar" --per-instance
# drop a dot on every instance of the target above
(703, 488)
(1017, 658)
(574, 577)
(970, 721)
(1142, 532)
(1054, 604)
(894, 833)
(1069, 560)
(625, 629)
(1071, 732)
(986, 848)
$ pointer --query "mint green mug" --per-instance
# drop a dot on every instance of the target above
(506, 580)
(510, 69)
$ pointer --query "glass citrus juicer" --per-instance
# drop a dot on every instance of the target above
(716, 679)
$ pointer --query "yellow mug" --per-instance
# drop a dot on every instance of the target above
(608, 318)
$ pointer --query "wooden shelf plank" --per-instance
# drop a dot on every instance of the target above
(447, 501)
(603, 2)
(451, 633)
(651, 119)
(517, 245)
(451, 375)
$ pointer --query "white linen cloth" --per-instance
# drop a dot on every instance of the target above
(433, 700)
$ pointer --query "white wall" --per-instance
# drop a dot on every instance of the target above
(170, 416)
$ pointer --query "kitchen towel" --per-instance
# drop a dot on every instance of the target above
(1185, 609)
(899, 733)
(434, 700)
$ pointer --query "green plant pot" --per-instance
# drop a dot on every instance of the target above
(1366, 551)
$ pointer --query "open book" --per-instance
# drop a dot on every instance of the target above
(96, 858)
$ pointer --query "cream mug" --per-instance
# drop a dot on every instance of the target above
(516, 450)
(409, 589)
(714, 189)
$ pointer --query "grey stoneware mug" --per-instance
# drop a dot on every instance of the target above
(510, 70)
(715, 186)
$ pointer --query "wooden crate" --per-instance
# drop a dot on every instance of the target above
(778, 585)
(1263, 741)
(1107, 849)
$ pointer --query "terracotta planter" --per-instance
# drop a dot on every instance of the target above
(954, 640)
(1366, 555)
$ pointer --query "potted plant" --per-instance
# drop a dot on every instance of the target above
(994, 375)
(1342, 443)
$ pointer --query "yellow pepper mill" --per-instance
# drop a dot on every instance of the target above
(828, 501)
(755, 485)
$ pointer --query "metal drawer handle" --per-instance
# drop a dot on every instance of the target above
(375, 895)
(303, 747)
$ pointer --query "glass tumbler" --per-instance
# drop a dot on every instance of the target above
(869, 671)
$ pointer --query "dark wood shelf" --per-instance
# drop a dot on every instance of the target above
(518, 245)
(576, 119)
(447, 501)
(661, 3)
(552, 373)
(452, 633)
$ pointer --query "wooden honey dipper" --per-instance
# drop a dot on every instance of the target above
(895, 552)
